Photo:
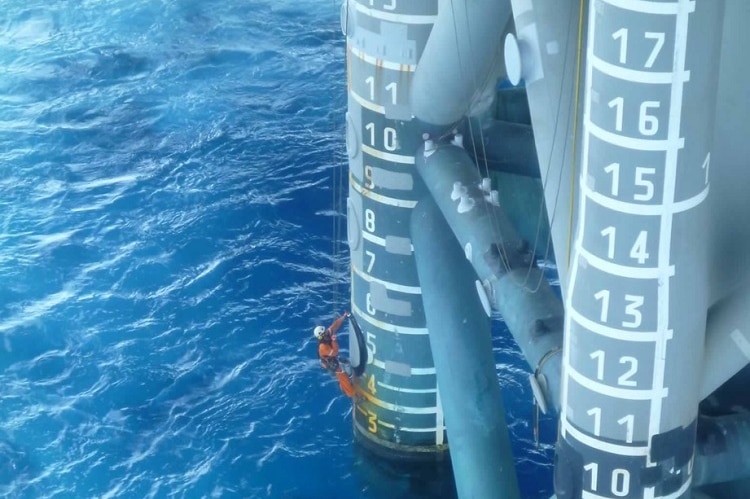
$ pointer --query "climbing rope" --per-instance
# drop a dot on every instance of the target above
(484, 171)
(577, 91)
(337, 180)
(574, 122)
(490, 213)
(575, 130)
(541, 382)
(335, 215)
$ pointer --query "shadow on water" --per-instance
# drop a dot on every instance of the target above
(384, 479)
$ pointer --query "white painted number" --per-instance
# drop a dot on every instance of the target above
(622, 35)
(640, 181)
(389, 139)
(603, 295)
(620, 479)
(628, 422)
(388, 6)
(659, 37)
(370, 127)
(371, 83)
(618, 103)
(372, 260)
(599, 356)
(625, 380)
(392, 88)
(370, 308)
(638, 251)
(631, 309)
(609, 233)
(370, 347)
(620, 482)
(369, 184)
(597, 413)
(648, 124)
(706, 165)
(614, 169)
(640, 171)
(594, 469)
(370, 220)
(390, 142)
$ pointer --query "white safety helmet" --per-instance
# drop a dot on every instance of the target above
(318, 332)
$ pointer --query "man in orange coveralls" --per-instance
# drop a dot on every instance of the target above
(328, 351)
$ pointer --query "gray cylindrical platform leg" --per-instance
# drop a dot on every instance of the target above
(461, 344)
(397, 412)
(638, 289)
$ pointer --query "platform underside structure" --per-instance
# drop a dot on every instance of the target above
(604, 137)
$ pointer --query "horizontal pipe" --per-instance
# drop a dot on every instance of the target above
(458, 58)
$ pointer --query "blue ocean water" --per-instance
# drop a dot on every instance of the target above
(166, 245)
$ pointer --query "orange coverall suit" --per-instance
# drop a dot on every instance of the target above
(328, 353)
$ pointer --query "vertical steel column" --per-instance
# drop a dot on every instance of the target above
(399, 411)
(637, 296)
(459, 323)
